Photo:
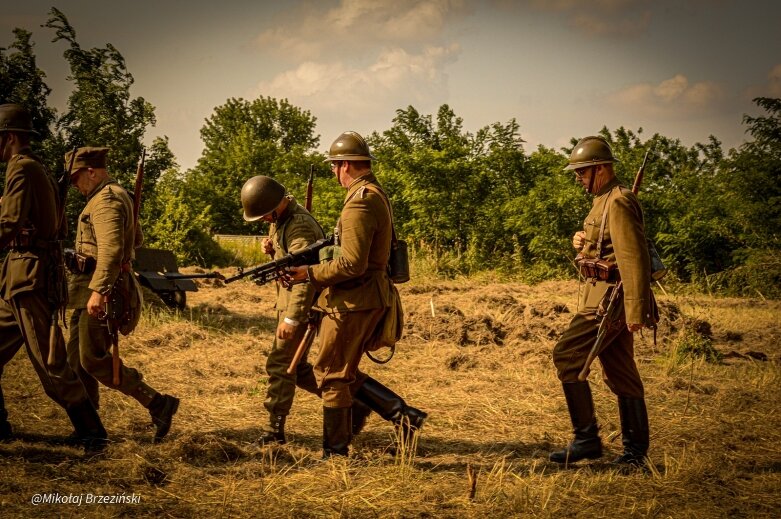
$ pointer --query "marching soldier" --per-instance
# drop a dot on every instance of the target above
(105, 240)
(614, 236)
(354, 299)
(292, 229)
(29, 230)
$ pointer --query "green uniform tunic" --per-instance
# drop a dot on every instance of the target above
(29, 203)
(294, 230)
(356, 291)
(624, 243)
(105, 232)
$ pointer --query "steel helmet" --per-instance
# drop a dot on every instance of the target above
(14, 118)
(349, 146)
(590, 151)
(260, 195)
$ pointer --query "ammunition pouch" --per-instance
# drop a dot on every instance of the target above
(79, 263)
(598, 269)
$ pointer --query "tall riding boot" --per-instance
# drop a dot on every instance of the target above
(89, 428)
(586, 444)
(361, 414)
(6, 431)
(390, 406)
(634, 430)
(274, 432)
(337, 431)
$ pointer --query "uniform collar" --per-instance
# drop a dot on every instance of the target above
(368, 178)
(100, 186)
(289, 210)
(607, 187)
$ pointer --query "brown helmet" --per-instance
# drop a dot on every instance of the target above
(260, 195)
(14, 118)
(590, 151)
(349, 146)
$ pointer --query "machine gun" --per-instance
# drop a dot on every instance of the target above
(272, 270)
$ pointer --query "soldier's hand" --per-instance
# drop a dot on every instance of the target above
(268, 246)
(285, 330)
(633, 327)
(579, 239)
(294, 275)
(96, 306)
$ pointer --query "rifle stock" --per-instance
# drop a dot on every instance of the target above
(604, 326)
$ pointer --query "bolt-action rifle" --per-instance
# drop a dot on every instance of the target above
(275, 269)
(58, 285)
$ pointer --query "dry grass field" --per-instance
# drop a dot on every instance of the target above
(476, 357)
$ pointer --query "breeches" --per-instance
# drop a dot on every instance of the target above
(89, 354)
(26, 319)
(281, 385)
(617, 355)
(344, 338)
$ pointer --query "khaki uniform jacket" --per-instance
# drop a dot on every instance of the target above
(358, 279)
(105, 232)
(294, 230)
(625, 244)
(29, 203)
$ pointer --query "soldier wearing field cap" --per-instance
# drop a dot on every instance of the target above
(29, 232)
(355, 295)
(613, 235)
(107, 237)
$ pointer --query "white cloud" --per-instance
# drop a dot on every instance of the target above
(359, 27)
(396, 78)
(674, 97)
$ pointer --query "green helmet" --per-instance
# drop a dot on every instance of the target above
(14, 118)
(260, 195)
(590, 151)
(349, 146)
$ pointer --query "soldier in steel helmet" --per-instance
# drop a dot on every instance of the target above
(614, 234)
(106, 235)
(29, 231)
(292, 229)
(356, 293)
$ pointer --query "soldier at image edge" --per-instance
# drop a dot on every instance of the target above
(613, 232)
(355, 296)
(106, 233)
(30, 230)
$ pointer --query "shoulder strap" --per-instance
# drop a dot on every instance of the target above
(384, 197)
(604, 220)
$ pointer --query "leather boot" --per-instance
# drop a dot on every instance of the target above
(275, 432)
(6, 431)
(586, 444)
(634, 431)
(361, 414)
(337, 431)
(162, 409)
(89, 429)
(391, 407)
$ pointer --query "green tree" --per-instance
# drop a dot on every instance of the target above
(247, 138)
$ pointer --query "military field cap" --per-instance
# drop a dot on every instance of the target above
(349, 146)
(87, 157)
(14, 118)
(590, 151)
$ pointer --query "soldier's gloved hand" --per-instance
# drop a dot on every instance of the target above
(96, 305)
(268, 246)
(579, 239)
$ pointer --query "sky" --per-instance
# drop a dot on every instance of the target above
(560, 68)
